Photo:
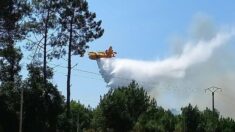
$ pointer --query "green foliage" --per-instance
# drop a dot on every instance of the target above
(191, 118)
(131, 109)
(122, 107)
(69, 24)
(9, 107)
(41, 109)
(98, 119)
(155, 119)
(45, 20)
(209, 120)
(42, 22)
(11, 31)
(226, 125)
(77, 27)
(9, 65)
(81, 118)
(11, 21)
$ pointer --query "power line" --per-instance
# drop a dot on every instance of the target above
(100, 75)
(90, 72)
(97, 74)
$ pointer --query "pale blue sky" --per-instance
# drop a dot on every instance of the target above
(138, 29)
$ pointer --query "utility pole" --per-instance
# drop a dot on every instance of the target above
(78, 126)
(21, 109)
(213, 89)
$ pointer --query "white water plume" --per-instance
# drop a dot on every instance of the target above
(182, 78)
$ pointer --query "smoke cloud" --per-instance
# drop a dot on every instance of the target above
(207, 59)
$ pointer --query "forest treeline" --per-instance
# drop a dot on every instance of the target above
(120, 110)
(50, 29)
(59, 29)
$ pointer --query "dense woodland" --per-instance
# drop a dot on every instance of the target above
(52, 29)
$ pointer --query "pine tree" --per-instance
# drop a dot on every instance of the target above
(11, 31)
(42, 23)
(77, 27)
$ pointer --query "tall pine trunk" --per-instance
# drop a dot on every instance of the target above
(12, 63)
(45, 57)
(45, 48)
(69, 66)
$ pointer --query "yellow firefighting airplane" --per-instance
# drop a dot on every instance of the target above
(105, 54)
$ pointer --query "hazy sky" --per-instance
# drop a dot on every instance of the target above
(140, 30)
